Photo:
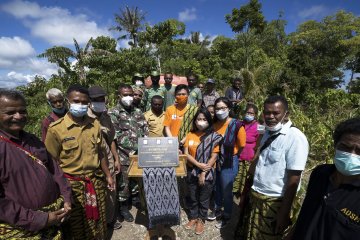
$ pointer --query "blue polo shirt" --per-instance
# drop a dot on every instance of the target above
(289, 151)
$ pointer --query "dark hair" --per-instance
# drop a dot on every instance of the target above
(208, 117)
(237, 79)
(227, 103)
(124, 85)
(157, 97)
(180, 87)
(213, 106)
(11, 94)
(253, 106)
(77, 88)
(192, 75)
(168, 73)
(277, 98)
(350, 126)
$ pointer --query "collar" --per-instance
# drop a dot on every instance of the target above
(153, 114)
(285, 129)
(212, 93)
(22, 135)
(122, 109)
(69, 122)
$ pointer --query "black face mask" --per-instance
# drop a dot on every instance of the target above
(155, 81)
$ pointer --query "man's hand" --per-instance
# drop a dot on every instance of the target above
(111, 183)
(67, 207)
(282, 222)
(56, 217)
(117, 166)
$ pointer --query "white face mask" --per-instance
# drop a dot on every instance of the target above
(138, 83)
(222, 114)
(202, 125)
(127, 101)
(277, 127)
(98, 107)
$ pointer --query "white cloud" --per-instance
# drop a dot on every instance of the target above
(123, 43)
(188, 15)
(315, 12)
(19, 64)
(16, 47)
(54, 24)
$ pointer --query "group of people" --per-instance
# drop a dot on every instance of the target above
(74, 183)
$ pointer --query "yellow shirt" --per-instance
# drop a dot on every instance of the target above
(155, 123)
(76, 147)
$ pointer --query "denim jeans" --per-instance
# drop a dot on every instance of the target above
(224, 185)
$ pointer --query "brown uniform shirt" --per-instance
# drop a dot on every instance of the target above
(155, 124)
(78, 148)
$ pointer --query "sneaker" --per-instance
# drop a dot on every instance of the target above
(199, 228)
(222, 223)
(211, 215)
(218, 213)
(190, 224)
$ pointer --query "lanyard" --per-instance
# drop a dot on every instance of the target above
(23, 150)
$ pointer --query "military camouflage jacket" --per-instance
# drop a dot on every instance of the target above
(129, 126)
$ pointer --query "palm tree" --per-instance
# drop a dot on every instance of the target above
(62, 55)
(129, 20)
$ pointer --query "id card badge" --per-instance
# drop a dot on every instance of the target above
(173, 116)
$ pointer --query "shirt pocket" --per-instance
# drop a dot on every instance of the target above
(70, 147)
(274, 156)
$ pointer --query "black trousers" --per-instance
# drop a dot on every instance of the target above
(198, 197)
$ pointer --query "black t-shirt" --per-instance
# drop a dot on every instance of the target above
(329, 213)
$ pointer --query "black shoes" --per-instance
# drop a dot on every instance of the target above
(124, 211)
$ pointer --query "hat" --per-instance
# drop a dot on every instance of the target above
(96, 91)
(155, 73)
(211, 81)
(138, 75)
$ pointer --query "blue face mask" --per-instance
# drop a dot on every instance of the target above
(78, 110)
(249, 118)
(59, 111)
(346, 163)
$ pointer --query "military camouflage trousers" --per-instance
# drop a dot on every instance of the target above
(125, 186)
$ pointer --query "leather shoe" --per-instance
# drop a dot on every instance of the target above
(190, 224)
(200, 226)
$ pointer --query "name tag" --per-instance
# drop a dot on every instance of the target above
(173, 116)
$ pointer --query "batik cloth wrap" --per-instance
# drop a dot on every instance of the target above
(162, 196)
(203, 153)
(227, 148)
(8, 231)
(261, 218)
(80, 225)
(240, 178)
(186, 123)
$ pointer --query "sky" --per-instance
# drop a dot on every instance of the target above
(28, 28)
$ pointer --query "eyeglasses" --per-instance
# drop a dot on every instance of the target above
(221, 108)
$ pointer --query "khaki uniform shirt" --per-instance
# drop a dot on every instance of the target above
(155, 124)
(78, 148)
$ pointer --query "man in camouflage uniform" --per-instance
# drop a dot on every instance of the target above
(130, 124)
(155, 89)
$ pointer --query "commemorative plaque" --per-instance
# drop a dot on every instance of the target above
(158, 152)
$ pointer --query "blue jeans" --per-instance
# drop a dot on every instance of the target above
(224, 185)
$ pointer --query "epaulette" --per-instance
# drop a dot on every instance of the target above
(56, 122)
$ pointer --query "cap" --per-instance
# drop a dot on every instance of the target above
(155, 73)
(210, 81)
(96, 91)
(138, 75)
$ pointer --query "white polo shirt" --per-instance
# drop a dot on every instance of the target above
(289, 151)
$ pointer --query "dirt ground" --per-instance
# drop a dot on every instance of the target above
(137, 230)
